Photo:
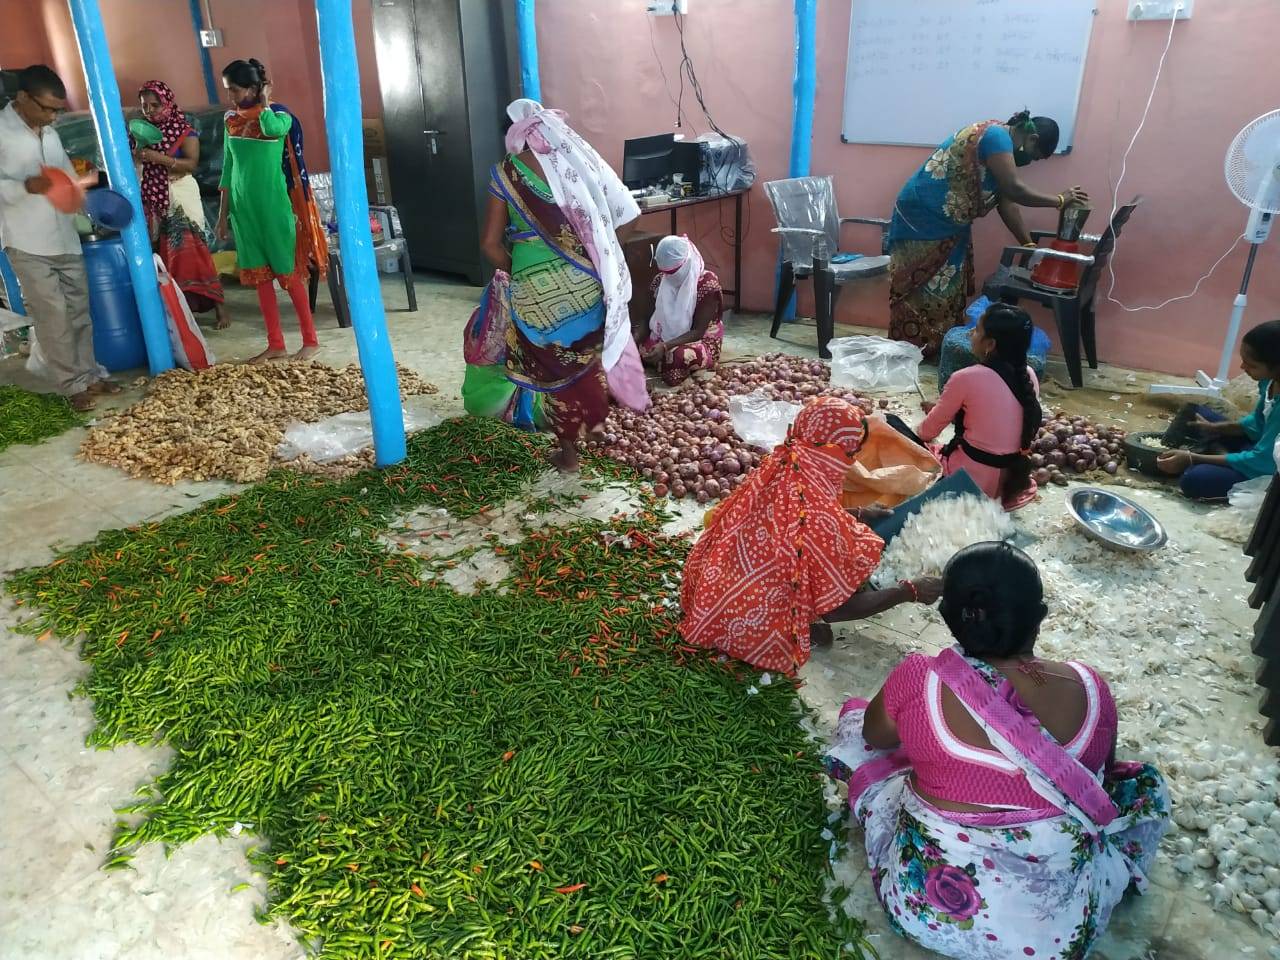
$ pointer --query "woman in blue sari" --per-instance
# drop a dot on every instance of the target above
(931, 268)
(557, 213)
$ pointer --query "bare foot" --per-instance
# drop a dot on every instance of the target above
(224, 321)
(565, 460)
(267, 355)
(82, 402)
(306, 353)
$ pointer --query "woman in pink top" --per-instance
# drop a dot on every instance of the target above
(995, 407)
(998, 823)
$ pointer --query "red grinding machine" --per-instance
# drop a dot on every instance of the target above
(1062, 274)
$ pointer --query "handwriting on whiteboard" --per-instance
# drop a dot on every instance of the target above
(946, 44)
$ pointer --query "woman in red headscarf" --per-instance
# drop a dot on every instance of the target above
(171, 199)
(782, 557)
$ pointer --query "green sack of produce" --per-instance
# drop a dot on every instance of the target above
(486, 392)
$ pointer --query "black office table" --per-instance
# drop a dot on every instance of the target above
(674, 206)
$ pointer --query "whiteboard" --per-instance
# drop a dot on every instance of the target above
(919, 70)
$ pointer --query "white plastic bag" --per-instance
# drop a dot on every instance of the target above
(874, 364)
(1248, 496)
(190, 349)
(760, 421)
(342, 434)
(1236, 521)
(36, 365)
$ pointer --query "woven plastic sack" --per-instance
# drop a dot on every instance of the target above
(889, 469)
(874, 364)
(484, 339)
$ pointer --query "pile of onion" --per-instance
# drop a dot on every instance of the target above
(686, 444)
(1070, 446)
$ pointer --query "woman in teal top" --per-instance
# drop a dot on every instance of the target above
(1249, 443)
(972, 173)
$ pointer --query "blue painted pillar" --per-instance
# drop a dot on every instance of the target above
(9, 280)
(108, 118)
(527, 32)
(803, 89)
(341, 76)
(206, 61)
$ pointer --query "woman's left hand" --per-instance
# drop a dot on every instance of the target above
(1174, 462)
(266, 94)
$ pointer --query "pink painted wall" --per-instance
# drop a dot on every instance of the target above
(602, 65)
(154, 39)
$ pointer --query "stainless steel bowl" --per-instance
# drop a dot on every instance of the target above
(1114, 521)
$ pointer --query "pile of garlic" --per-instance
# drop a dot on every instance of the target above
(937, 532)
(1145, 622)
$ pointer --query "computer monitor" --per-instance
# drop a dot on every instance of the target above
(686, 160)
(647, 161)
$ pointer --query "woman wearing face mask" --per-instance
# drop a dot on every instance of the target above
(685, 332)
(267, 203)
(931, 271)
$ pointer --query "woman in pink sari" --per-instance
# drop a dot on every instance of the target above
(998, 823)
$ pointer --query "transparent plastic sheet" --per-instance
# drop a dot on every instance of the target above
(760, 421)
(1234, 522)
(344, 433)
(726, 163)
(805, 209)
(874, 364)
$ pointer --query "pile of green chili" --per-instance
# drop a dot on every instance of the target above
(541, 772)
(27, 417)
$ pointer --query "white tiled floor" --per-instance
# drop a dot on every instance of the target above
(58, 795)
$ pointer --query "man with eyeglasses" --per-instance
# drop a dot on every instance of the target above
(41, 243)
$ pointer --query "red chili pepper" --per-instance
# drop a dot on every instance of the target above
(572, 888)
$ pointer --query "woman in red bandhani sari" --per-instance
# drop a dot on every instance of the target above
(171, 200)
(782, 558)
(930, 247)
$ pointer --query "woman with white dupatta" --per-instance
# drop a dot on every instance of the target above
(998, 823)
(686, 331)
(556, 216)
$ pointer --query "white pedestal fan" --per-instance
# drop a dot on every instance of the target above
(1253, 174)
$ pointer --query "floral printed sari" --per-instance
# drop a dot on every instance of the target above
(931, 265)
(555, 340)
(1004, 883)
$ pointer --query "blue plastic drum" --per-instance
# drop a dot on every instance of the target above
(117, 331)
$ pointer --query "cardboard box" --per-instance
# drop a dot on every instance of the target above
(375, 149)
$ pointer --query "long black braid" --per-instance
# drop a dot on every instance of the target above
(1010, 327)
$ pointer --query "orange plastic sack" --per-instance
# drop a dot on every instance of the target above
(889, 469)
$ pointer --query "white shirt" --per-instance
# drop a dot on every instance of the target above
(28, 222)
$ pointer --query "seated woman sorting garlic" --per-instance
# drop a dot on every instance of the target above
(997, 820)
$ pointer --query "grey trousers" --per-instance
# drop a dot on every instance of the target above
(56, 292)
